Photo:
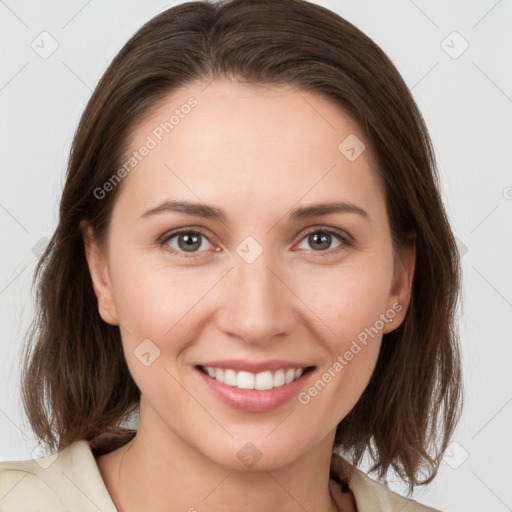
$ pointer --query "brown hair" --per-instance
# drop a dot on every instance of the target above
(76, 384)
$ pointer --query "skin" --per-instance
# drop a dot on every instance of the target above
(256, 152)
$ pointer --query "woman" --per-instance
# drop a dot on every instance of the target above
(253, 257)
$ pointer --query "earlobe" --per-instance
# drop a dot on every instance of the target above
(100, 276)
(400, 296)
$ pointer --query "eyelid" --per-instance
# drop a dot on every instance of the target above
(346, 239)
(343, 235)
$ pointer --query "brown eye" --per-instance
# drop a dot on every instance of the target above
(187, 241)
(321, 241)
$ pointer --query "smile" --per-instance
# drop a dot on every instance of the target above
(261, 381)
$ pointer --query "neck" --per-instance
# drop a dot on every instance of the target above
(159, 471)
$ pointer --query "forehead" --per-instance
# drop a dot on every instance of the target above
(258, 145)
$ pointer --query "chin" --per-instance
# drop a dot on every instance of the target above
(258, 454)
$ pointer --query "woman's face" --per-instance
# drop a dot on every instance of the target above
(256, 284)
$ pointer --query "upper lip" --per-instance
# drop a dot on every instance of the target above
(253, 366)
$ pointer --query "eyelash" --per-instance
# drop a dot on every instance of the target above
(346, 240)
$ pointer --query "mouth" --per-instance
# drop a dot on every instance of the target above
(261, 381)
(254, 386)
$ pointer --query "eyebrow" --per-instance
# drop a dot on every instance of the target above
(210, 212)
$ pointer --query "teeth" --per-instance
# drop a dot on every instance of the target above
(259, 381)
(230, 377)
(279, 378)
(244, 380)
(264, 380)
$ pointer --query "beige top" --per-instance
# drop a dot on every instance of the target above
(70, 481)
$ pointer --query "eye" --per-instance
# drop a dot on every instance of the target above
(321, 240)
(186, 241)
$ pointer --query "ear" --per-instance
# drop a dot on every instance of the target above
(98, 268)
(400, 294)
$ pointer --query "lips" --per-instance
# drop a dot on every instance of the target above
(254, 386)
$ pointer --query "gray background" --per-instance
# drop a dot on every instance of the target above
(466, 99)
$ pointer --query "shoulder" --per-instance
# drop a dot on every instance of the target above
(67, 480)
(371, 495)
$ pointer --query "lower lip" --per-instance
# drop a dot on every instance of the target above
(252, 400)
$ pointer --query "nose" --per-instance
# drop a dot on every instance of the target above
(257, 305)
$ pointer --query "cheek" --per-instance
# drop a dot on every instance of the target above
(350, 306)
(347, 299)
(152, 298)
(349, 303)
(158, 312)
